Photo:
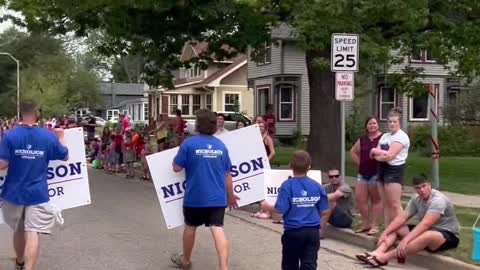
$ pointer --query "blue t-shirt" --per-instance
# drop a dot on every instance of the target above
(28, 151)
(205, 160)
(300, 200)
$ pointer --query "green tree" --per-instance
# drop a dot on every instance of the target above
(48, 75)
(158, 30)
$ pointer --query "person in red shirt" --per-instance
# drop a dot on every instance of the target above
(180, 126)
(124, 122)
(118, 141)
(269, 119)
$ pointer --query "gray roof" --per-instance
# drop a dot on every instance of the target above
(134, 89)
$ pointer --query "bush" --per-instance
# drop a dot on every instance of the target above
(453, 141)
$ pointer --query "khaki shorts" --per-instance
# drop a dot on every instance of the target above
(33, 218)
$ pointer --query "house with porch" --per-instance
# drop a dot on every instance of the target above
(222, 87)
(280, 78)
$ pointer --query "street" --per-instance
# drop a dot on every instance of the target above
(124, 229)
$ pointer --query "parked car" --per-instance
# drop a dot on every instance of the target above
(100, 121)
(230, 122)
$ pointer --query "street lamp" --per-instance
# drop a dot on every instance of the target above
(18, 81)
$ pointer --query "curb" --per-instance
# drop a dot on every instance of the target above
(422, 259)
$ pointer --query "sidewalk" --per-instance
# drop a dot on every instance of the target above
(408, 191)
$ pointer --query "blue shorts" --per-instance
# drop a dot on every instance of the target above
(367, 179)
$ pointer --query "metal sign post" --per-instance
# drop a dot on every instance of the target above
(344, 61)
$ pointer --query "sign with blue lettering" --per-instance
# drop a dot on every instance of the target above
(275, 178)
(68, 185)
(249, 161)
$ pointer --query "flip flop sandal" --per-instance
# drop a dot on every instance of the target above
(375, 263)
(277, 222)
(177, 260)
(373, 232)
(363, 230)
(363, 257)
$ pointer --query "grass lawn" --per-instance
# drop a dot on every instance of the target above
(457, 174)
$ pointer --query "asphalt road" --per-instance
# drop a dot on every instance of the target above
(123, 229)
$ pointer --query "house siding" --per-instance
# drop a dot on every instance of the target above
(274, 68)
(238, 77)
(295, 63)
(430, 69)
(246, 99)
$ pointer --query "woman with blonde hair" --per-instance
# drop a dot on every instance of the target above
(392, 153)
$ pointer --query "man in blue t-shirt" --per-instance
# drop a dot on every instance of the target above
(302, 201)
(26, 151)
(209, 188)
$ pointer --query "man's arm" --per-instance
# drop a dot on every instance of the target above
(425, 224)
(333, 197)
(176, 168)
(61, 138)
(397, 223)
(231, 198)
(3, 164)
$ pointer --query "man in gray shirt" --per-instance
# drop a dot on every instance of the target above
(340, 202)
(438, 229)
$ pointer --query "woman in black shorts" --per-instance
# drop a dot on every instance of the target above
(392, 153)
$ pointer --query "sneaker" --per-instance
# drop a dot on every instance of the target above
(177, 260)
(19, 266)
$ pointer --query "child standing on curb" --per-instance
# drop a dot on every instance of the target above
(302, 201)
(147, 150)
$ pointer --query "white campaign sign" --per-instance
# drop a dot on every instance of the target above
(249, 161)
(344, 52)
(344, 84)
(68, 185)
(275, 178)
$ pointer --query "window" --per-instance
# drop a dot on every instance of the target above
(263, 99)
(112, 113)
(232, 102)
(422, 56)
(208, 102)
(265, 54)
(196, 103)
(145, 112)
(158, 107)
(453, 97)
(286, 99)
(419, 106)
(387, 101)
(139, 112)
(173, 104)
(195, 71)
(186, 105)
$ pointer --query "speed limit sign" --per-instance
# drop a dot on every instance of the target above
(344, 52)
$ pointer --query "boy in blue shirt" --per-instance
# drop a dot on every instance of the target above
(209, 188)
(26, 151)
(302, 201)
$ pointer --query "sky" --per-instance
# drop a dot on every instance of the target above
(5, 25)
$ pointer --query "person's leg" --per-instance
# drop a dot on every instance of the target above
(393, 195)
(19, 243)
(339, 218)
(391, 239)
(429, 239)
(381, 193)
(308, 259)
(189, 233)
(292, 245)
(376, 205)
(31, 249)
(361, 200)
(221, 245)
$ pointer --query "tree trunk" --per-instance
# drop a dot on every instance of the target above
(324, 139)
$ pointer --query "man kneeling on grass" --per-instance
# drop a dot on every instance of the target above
(438, 229)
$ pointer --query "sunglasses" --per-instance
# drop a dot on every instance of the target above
(334, 176)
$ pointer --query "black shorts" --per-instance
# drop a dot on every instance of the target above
(208, 216)
(388, 174)
(162, 140)
(451, 240)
